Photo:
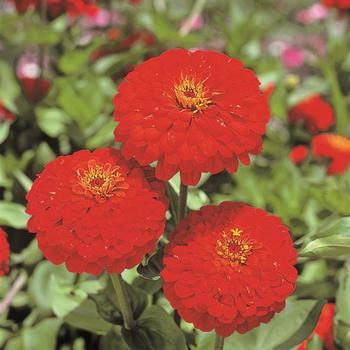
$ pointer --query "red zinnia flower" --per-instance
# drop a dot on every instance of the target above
(5, 114)
(193, 112)
(316, 114)
(336, 148)
(95, 211)
(298, 154)
(229, 268)
(4, 253)
(324, 328)
(35, 89)
(339, 4)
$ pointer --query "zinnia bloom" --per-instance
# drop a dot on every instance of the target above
(298, 154)
(339, 4)
(4, 253)
(324, 328)
(5, 114)
(35, 89)
(314, 112)
(95, 211)
(193, 112)
(229, 268)
(334, 147)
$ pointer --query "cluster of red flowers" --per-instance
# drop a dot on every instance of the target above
(56, 8)
(181, 110)
(4, 253)
(96, 211)
(324, 329)
(229, 268)
(317, 115)
(339, 4)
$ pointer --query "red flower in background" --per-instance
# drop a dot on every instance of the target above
(229, 268)
(192, 112)
(340, 4)
(334, 147)
(4, 253)
(298, 154)
(95, 211)
(314, 112)
(5, 114)
(35, 89)
(269, 90)
(56, 8)
(324, 328)
(144, 38)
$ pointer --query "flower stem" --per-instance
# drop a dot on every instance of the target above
(182, 206)
(219, 342)
(182, 202)
(123, 300)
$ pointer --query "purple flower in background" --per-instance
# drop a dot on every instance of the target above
(293, 57)
(311, 14)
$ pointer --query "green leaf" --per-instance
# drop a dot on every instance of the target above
(4, 131)
(13, 215)
(40, 285)
(112, 340)
(29, 256)
(155, 329)
(42, 335)
(342, 315)
(332, 241)
(109, 308)
(52, 121)
(286, 330)
(42, 34)
(74, 60)
(86, 317)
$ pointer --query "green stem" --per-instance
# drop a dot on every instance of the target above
(182, 202)
(338, 99)
(182, 206)
(219, 342)
(123, 300)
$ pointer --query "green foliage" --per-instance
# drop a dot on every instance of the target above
(286, 330)
(155, 329)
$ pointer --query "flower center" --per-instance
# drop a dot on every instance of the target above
(192, 95)
(101, 181)
(234, 247)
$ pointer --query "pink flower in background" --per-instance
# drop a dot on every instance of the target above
(28, 67)
(101, 19)
(311, 14)
(293, 57)
(192, 23)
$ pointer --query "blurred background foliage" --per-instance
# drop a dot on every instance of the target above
(58, 78)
